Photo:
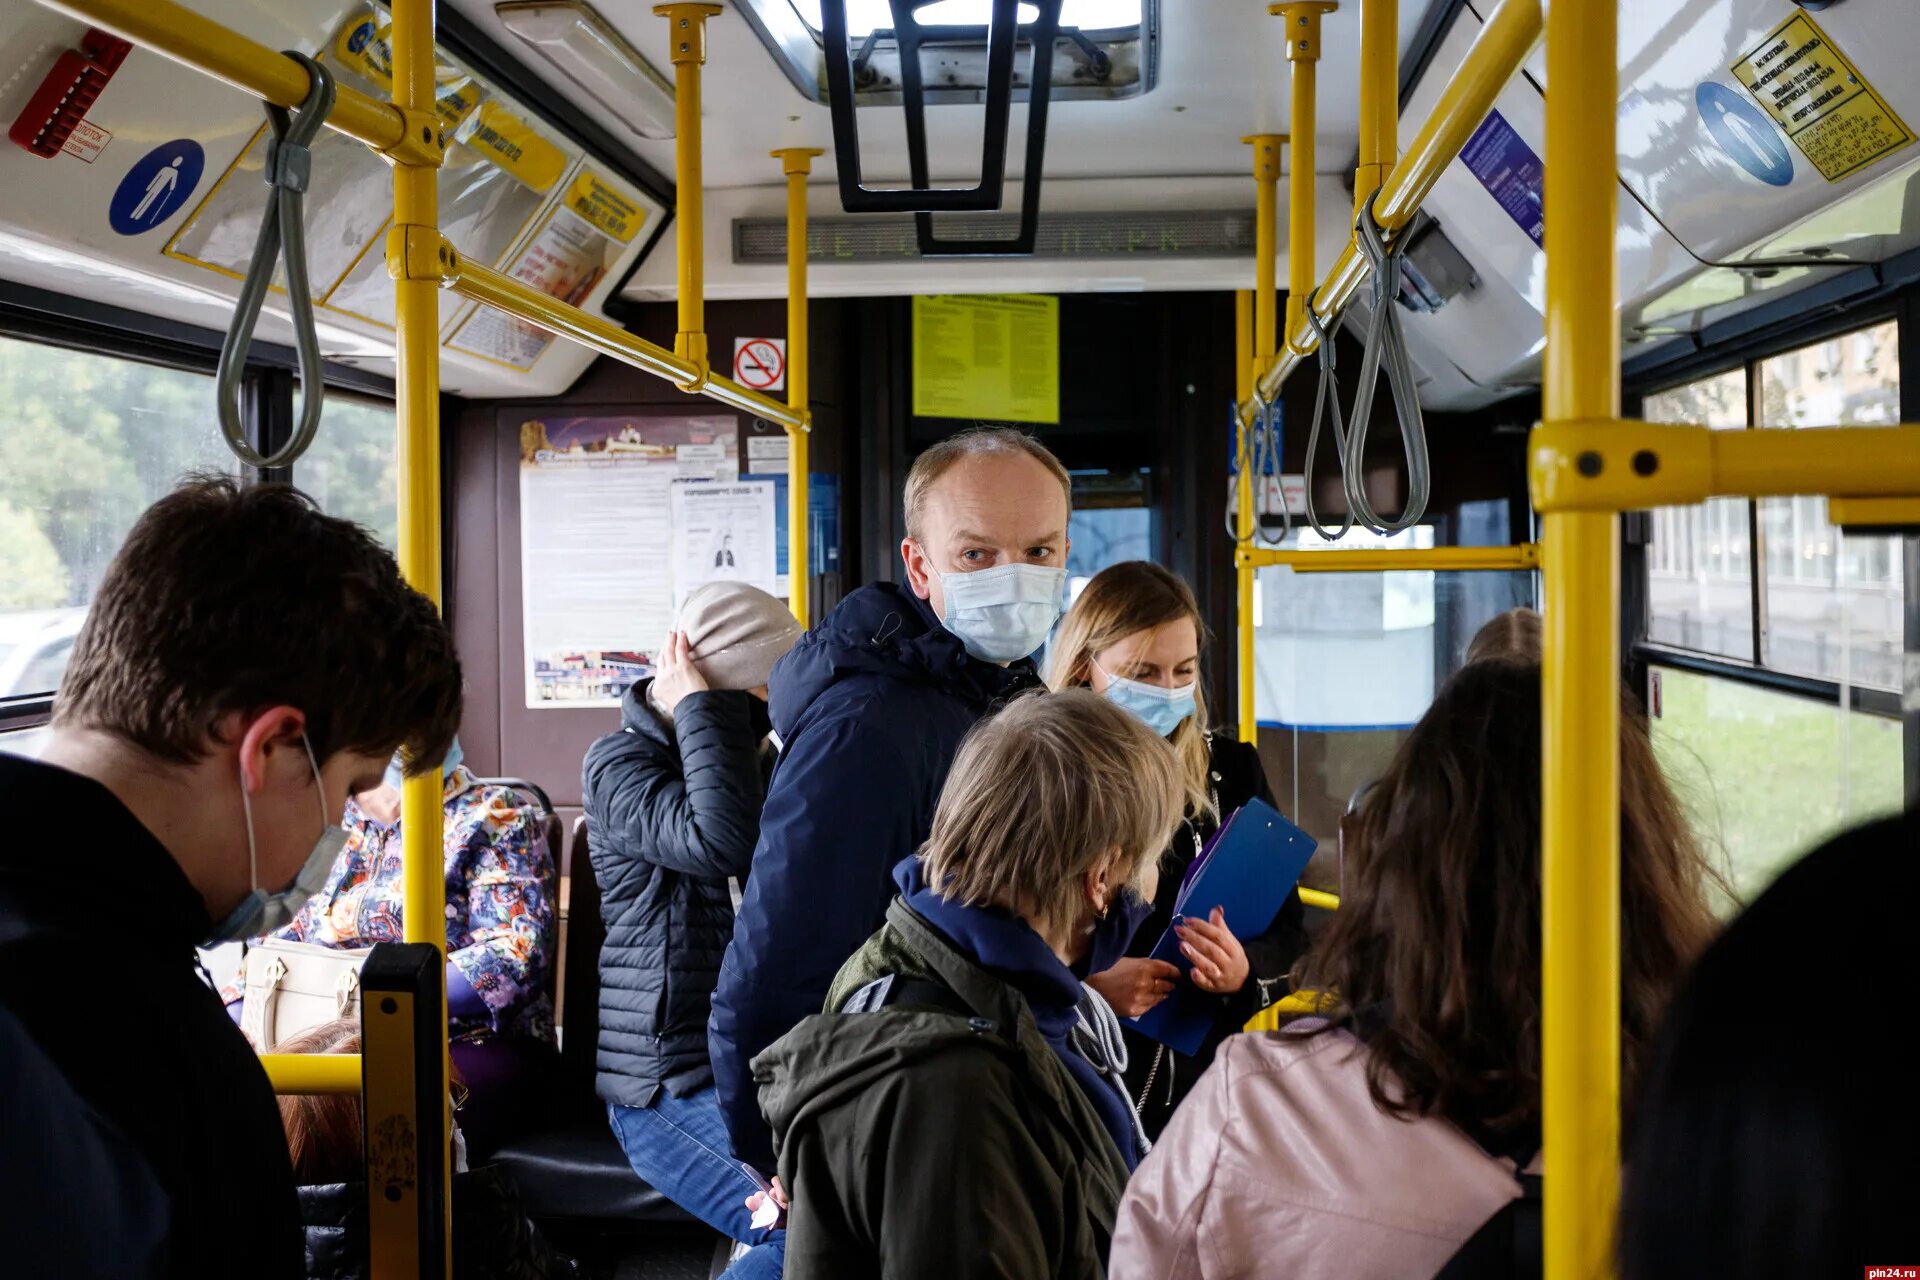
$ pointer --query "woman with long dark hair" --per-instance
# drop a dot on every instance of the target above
(1389, 1129)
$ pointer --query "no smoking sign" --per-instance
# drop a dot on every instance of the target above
(760, 363)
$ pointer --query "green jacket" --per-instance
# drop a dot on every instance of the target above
(918, 1143)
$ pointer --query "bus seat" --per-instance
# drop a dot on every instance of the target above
(570, 1167)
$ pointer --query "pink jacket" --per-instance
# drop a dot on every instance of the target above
(1279, 1164)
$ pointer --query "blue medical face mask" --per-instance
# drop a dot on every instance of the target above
(1160, 709)
(262, 912)
(1004, 613)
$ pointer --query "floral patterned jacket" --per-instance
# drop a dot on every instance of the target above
(501, 903)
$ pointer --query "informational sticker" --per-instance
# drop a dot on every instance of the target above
(510, 142)
(760, 363)
(1822, 102)
(157, 186)
(991, 357)
(597, 536)
(1746, 135)
(1510, 171)
(592, 198)
(365, 46)
(768, 453)
(823, 524)
(87, 141)
(713, 460)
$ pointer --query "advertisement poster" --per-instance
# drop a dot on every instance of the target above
(723, 533)
(597, 544)
(573, 248)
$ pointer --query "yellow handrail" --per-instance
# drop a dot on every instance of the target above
(313, 1072)
(204, 45)
(687, 47)
(796, 163)
(1605, 464)
(1438, 559)
(1302, 19)
(1580, 730)
(1319, 898)
(1243, 520)
(523, 302)
(1497, 52)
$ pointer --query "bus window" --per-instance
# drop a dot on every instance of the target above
(1765, 776)
(1834, 602)
(87, 442)
(1699, 563)
(351, 468)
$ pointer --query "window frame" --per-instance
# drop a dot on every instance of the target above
(1644, 653)
(267, 397)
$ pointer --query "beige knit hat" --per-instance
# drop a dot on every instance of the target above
(736, 633)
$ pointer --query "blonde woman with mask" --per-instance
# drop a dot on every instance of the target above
(1134, 637)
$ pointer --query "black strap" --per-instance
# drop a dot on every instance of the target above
(898, 989)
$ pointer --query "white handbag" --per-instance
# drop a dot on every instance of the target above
(295, 986)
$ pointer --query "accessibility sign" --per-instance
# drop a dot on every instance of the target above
(1820, 99)
(156, 187)
(1748, 137)
(760, 363)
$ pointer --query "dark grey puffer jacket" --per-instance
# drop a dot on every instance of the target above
(671, 814)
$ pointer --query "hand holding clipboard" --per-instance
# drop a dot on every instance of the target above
(1247, 870)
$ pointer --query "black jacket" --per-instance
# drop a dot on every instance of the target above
(871, 706)
(922, 1141)
(94, 908)
(492, 1238)
(671, 814)
(1159, 1078)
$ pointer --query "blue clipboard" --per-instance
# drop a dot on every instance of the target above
(1247, 870)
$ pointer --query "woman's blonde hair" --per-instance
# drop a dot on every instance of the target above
(1513, 636)
(1123, 600)
(1043, 792)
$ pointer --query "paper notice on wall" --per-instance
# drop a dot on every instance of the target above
(995, 357)
(564, 258)
(596, 548)
(708, 461)
(767, 453)
(723, 533)
(1819, 99)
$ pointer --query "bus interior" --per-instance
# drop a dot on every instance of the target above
(773, 249)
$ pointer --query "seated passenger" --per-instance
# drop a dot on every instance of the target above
(1776, 1135)
(1376, 1140)
(492, 1238)
(673, 811)
(500, 930)
(1133, 636)
(954, 1113)
(1514, 634)
(246, 664)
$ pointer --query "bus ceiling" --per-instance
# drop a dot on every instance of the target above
(1734, 200)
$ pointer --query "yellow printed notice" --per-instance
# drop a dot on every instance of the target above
(604, 207)
(992, 357)
(1822, 102)
(510, 142)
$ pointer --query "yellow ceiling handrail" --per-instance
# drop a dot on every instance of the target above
(1526, 555)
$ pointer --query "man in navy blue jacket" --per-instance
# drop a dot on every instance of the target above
(870, 707)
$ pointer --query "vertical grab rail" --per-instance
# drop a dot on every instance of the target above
(1303, 55)
(1243, 515)
(1580, 782)
(687, 48)
(796, 164)
(415, 254)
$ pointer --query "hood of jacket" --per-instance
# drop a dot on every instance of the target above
(831, 1058)
(884, 630)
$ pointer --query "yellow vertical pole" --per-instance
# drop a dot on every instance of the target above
(1379, 97)
(687, 46)
(1243, 517)
(1266, 243)
(797, 163)
(416, 216)
(1302, 19)
(1580, 786)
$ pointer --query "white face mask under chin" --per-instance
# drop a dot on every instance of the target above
(262, 912)
(1004, 613)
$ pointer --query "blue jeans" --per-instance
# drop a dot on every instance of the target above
(679, 1146)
